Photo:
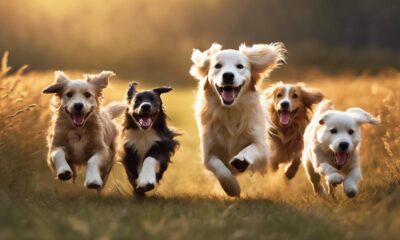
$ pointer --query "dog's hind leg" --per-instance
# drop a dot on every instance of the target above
(224, 175)
(61, 166)
(314, 178)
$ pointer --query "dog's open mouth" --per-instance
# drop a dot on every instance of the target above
(286, 116)
(340, 158)
(79, 119)
(145, 121)
(228, 93)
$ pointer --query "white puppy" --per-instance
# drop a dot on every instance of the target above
(230, 113)
(331, 148)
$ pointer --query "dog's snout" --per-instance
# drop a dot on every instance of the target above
(146, 107)
(285, 105)
(343, 146)
(228, 78)
(78, 107)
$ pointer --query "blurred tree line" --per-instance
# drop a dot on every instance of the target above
(153, 39)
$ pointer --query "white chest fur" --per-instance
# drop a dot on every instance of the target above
(77, 140)
(140, 140)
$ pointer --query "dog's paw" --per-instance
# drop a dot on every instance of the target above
(350, 190)
(240, 164)
(291, 170)
(93, 182)
(334, 179)
(146, 182)
(64, 174)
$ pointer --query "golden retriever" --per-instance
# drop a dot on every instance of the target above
(288, 106)
(81, 132)
(230, 113)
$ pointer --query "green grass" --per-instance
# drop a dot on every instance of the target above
(188, 203)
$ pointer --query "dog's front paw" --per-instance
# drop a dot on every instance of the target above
(64, 174)
(239, 163)
(350, 190)
(93, 182)
(334, 179)
(145, 182)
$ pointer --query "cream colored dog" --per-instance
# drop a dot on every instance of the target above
(332, 148)
(82, 133)
(230, 113)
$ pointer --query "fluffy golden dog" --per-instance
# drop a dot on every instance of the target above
(230, 113)
(81, 132)
(288, 107)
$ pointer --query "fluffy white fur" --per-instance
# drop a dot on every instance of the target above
(322, 139)
(233, 134)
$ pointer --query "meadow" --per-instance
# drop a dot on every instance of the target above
(188, 203)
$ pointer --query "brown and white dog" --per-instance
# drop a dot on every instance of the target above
(230, 113)
(288, 108)
(81, 132)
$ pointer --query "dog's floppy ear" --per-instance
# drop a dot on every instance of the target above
(361, 116)
(162, 90)
(131, 91)
(323, 107)
(201, 61)
(271, 90)
(310, 95)
(100, 81)
(59, 82)
(263, 58)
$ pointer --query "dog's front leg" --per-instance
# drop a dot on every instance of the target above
(292, 168)
(351, 181)
(147, 177)
(93, 172)
(332, 176)
(249, 156)
(61, 166)
(224, 175)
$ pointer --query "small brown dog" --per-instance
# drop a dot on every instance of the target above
(82, 133)
(288, 105)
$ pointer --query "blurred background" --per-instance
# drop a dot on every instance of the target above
(152, 40)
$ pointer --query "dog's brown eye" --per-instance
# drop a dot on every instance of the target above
(295, 95)
(218, 66)
(333, 130)
(240, 66)
(69, 94)
(88, 94)
(279, 95)
(351, 131)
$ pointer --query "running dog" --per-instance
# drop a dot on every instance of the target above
(147, 140)
(332, 148)
(230, 111)
(82, 133)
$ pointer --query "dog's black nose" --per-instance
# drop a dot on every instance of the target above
(227, 78)
(285, 105)
(78, 106)
(343, 146)
(146, 107)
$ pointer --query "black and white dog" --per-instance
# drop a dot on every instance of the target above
(148, 142)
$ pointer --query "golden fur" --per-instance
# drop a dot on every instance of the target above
(286, 141)
(236, 132)
(97, 137)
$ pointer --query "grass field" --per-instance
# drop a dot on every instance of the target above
(189, 204)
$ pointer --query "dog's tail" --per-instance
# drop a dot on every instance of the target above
(115, 109)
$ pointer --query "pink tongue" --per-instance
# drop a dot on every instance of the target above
(228, 95)
(78, 119)
(284, 117)
(145, 121)
(341, 158)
